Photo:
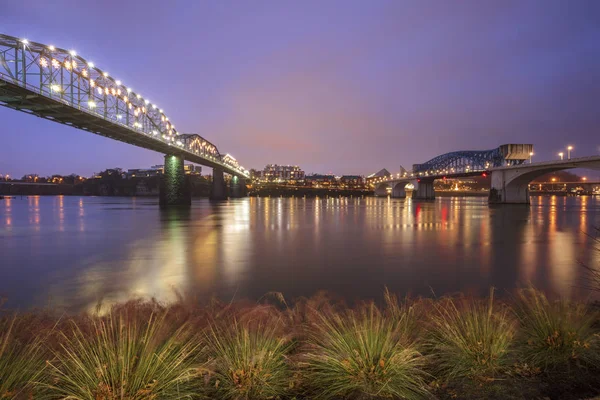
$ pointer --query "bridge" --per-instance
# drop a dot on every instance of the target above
(61, 86)
(506, 165)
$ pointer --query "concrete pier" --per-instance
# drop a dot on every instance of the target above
(219, 189)
(423, 190)
(174, 188)
(237, 187)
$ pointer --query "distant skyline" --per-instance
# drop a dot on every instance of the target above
(347, 87)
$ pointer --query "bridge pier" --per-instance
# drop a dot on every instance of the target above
(174, 189)
(509, 187)
(219, 189)
(237, 187)
(423, 190)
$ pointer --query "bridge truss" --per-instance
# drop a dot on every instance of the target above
(60, 85)
(461, 162)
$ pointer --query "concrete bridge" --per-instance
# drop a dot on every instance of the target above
(63, 87)
(507, 166)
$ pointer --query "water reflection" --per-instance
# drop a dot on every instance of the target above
(74, 252)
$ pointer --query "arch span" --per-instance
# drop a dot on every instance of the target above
(383, 189)
(511, 184)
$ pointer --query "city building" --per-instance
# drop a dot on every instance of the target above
(383, 173)
(191, 169)
(316, 180)
(351, 181)
(274, 172)
(142, 173)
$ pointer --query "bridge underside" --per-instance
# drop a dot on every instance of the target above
(22, 99)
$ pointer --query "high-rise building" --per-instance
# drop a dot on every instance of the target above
(274, 172)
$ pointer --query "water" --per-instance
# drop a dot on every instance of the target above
(71, 252)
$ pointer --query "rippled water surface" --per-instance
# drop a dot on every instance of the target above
(72, 252)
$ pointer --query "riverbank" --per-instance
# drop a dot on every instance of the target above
(301, 191)
(453, 347)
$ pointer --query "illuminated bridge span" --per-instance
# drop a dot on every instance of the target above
(507, 165)
(61, 86)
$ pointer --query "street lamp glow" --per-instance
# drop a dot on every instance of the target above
(25, 41)
(561, 154)
(91, 64)
(51, 48)
(73, 53)
(530, 157)
(569, 152)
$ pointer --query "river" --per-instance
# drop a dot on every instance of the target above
(74, 252)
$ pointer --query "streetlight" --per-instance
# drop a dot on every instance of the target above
(569, 152)
(584, 179)
(530, 157)
(561, 154)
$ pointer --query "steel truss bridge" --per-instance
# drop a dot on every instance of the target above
(61, 86)
(468, 162)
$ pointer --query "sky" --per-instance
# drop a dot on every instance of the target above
(343, 87)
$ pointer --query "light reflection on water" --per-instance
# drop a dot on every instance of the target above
(72, 252)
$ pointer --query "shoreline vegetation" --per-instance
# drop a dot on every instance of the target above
(526, 346)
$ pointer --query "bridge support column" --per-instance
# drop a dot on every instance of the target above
(219, 189)
(237, 187)
(174, 188)
(508, 191)
(423, 190)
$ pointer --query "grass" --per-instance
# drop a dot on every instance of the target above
(362, 354)
(21, 360)
(119, 357)
(556, 335)
(470, 339)
(248, 361)
(316, 348)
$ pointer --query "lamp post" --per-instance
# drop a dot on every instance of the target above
(530, 157)
(569, 152)
(561, 154)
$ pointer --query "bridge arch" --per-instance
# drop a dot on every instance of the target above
(511, 185)
(399, 189)
(382, 189)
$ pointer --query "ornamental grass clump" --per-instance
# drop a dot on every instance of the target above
(248, 360)
(21, 361)
(556, 335)
(362, 354)
(470, 339)
(122, 357)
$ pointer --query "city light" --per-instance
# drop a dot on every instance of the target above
(92, 104)
(51, 48)
(55, 88)
(25, 41)
(91, 64)
(561, 154)
(73, 53)
(569, 148)
(530, 157)
(118, 83)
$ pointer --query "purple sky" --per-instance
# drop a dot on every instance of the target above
(346, 87)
